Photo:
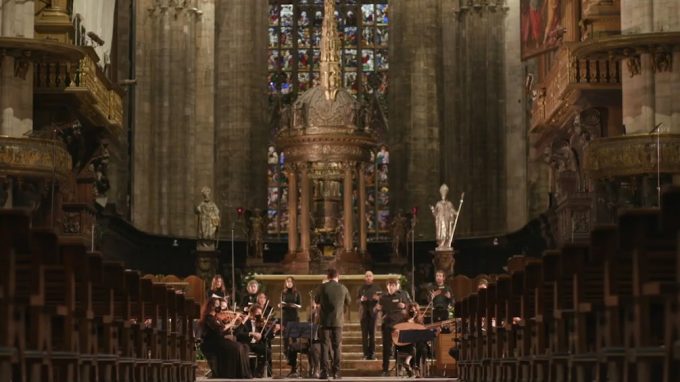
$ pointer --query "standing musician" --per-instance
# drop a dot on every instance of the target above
(257, 332)
(441, 298)
(251, 295)
(392, 305)
(369, 294)
(290, 303)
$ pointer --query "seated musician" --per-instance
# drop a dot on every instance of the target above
(231, 357)
(418, 350)
(263, 301)
(311, 346)
(257, 332)
(251, 295)
(441, 298)
(392, 305)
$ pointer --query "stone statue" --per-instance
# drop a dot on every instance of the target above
(399, 228)
(257, 229)
(444, 218)
(208, 221)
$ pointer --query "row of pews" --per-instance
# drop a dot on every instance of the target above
(607, 310)
(68, 315)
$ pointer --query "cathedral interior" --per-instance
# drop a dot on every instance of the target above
(187, 138)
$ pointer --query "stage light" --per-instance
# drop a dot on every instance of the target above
(240, 211)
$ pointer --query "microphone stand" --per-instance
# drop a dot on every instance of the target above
(281, 341)
(413, 257)
(233, 273)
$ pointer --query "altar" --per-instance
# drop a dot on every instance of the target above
(273, 286)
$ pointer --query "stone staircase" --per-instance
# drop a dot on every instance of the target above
(353, 364)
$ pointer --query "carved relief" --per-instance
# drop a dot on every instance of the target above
(21, 66)
(662, 61)
(633, 65)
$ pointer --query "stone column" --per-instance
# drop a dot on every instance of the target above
(651, 76)
(242, 130)
(173, 113)
(292, 208)
(413, 99)
(347, 207)
(16, 71)
(304, 210)
(362, 208)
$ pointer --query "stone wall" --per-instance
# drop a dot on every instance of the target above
(16, 87)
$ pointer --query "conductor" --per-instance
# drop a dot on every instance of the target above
(333, 297)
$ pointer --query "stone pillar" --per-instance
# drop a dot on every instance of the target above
(292, 209)
(16, 71)
(413, 100)
(173, 114)
(362, 209)
(651, 76)
(475, 131)
(304, 211)
(242, 130)
(347, 207)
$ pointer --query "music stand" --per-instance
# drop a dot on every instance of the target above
(299, 330)
(413, 336)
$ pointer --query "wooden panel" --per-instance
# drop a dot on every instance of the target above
(443, 344)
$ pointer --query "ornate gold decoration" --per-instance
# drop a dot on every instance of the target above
(29, 157)
(568, 77)
(99, 100)
(330, 59)
(631, 155)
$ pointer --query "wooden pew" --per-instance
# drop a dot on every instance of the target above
(543, 325)
(589, 306)
(530, 282)
(654, 257)
(465, 311)
(571, 260)
(14, 237)
(498, 333)
(486, 309)
(513, 315)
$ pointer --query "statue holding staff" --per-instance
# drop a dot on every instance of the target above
(208, 221)
(445, 219)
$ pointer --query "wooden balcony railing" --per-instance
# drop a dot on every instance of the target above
(567, 78)
(100, 101)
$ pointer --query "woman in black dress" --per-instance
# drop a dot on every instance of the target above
(230, 357)
(217, 287)
(290, 304)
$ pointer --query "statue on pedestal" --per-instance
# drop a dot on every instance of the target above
(445, 215)
(208, 222)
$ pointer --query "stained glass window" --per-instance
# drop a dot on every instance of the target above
(295, 34)
(294, 39)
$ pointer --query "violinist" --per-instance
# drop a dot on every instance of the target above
(392, 305)
(441, 297)
(369, 295)
(251, 295)
(257, 333)
(263, 301)
(231, 358)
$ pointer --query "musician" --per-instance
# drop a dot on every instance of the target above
(391, 305)
(333, 298)
(441, 296)
(217, 287)
(251, 295)
(263, 301)
(419, 349)
(368, 297)
(290, 303)
(257, 333)
(311, 346)
(231, 356)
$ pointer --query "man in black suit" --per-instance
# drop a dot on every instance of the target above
(369, 293)
(333, 297)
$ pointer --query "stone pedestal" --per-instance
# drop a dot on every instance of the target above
(444, 260)
(207, 264)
